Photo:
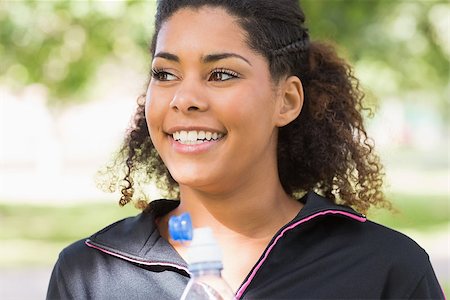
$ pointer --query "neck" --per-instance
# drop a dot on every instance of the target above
(252, 211)
(246, 218)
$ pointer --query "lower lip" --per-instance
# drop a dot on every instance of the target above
(193, 149)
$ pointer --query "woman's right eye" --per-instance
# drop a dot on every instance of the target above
(162, 75)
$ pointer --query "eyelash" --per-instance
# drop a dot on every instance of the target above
(225, 71)
(158, 73)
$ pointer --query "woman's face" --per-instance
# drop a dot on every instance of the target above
(211, 103)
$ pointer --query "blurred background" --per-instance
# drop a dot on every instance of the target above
(70, 73)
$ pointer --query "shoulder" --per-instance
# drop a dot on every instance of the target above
(351, 234)
(371, 240)
(405, 264)
(75, 256)
(390, 261)
(373, 243)
(130, 236)
(127, 234)
(79, 259)
(384, 244)
(387, 240)
(393, 252)
(83, 272)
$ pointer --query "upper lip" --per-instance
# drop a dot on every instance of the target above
(174, 129)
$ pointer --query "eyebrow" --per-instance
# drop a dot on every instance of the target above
(168, 56)
(206, 59)
(215, 57)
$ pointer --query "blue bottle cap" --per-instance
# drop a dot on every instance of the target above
(180, 227)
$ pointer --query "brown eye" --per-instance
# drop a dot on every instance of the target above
(222, 75)
(161, 75)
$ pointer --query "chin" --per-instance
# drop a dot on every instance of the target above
(203, 183)
(191, 182)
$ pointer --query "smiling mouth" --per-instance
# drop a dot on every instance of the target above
(194, 137)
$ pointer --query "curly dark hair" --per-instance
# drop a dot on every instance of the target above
(325, 149)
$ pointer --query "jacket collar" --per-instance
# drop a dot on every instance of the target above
(314, 204)
(138, 240)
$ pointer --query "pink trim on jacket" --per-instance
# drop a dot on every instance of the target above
(142, 262)
(244, 286)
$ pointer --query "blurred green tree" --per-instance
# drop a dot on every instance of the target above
(62, 44)
(398, 47)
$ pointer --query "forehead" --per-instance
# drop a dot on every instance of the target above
(206, 29)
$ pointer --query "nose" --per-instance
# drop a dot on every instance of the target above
(189, 98)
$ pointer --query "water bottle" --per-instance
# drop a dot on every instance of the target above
(205, 261)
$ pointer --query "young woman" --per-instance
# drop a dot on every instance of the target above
(258, 132)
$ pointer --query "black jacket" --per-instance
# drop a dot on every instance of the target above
(326, 252)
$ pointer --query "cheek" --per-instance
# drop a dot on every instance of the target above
(155, 103)
(249, 107)
(154, 113)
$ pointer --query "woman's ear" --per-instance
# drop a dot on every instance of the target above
(290, 100)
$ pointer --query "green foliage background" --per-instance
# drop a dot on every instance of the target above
(62, 44)
(404, 42)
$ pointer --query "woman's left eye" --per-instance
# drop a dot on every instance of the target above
(222, 75)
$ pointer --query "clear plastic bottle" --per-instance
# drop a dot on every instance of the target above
(205, 261)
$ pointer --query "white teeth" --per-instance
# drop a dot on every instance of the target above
(183, 136)
(193, 137)
(208, 135)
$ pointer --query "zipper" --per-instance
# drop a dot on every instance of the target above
(286, 228)
(96, 246)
